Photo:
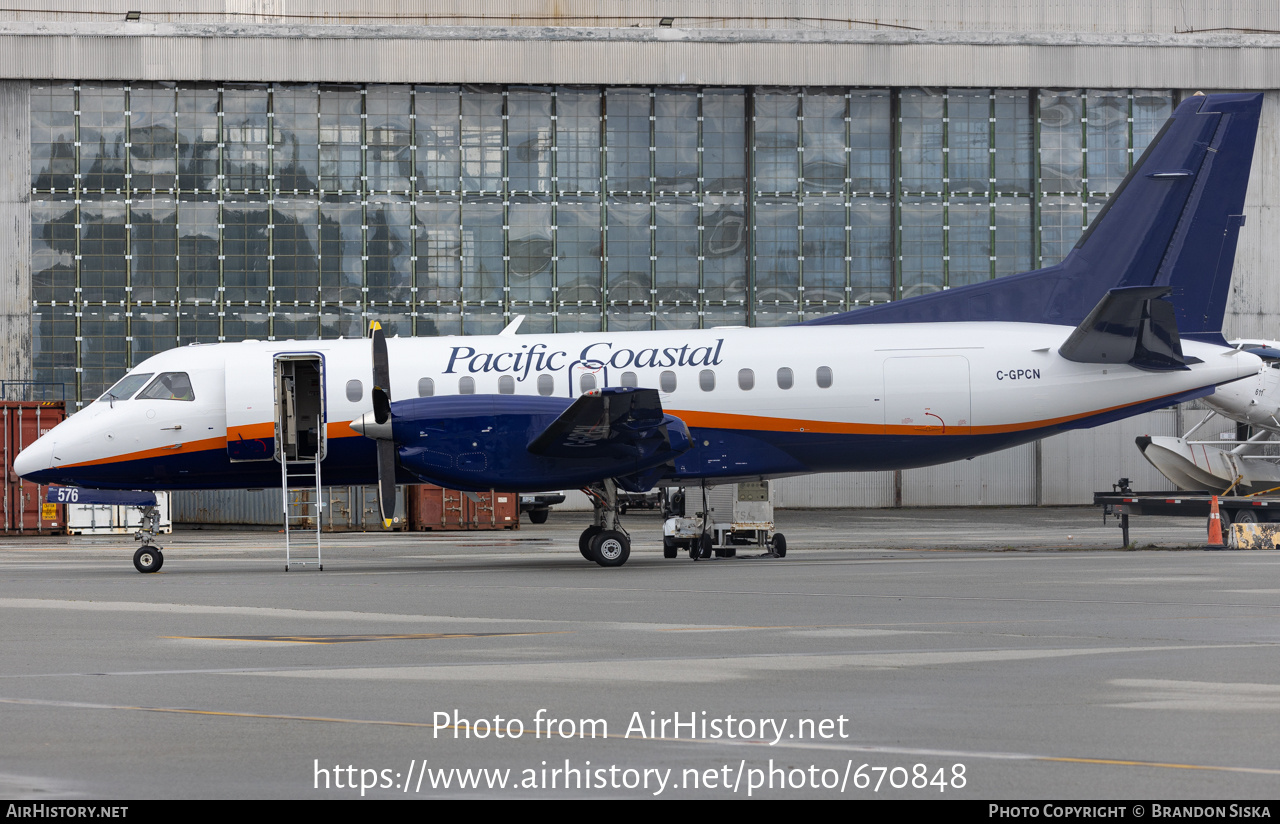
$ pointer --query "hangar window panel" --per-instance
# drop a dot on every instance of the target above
(341, 138)
(824, 249)
(434, 321)
(776, 313)
(628, 238)
(199, 324)
(296, 137)
(1013, 236)
(724, 136)
(153, 243)
(776, 138)
(786, 378)
(388, 247)
(295, 243)
(1107, 136)
(676, 140)
(968, 241)
(530, 139)
(1061, 224)
(340, 322)
(295, 323)
(627, 155)
(1013, 141)
(387, 134)
(437, 132)
(777, 250)
(824, 141)
(53, 249)
(466, 385)
(676, 316)
(426, 387)
(102, 137)
(921, 151)
(438, 247)
(824, 377)
(921, 247)
(625, 317)
(870, 157)
(1061, 158)
(104, 351)
(53, 136)
(733, 315)
(579, 249)
(103, 270)
(724, 248)
(53, 346)
(152, 137)
(154, 330)
(870, 251)
(341, 249)
(746, 380)
(546, 385)
(676, 247)
(969, 140)
(578, 139)
(198, 138)
(244, 130)
(575, 318)
(394, 323)
(530, 247)
(246, 270)
(483, 244)
(1150, 111)
(198, 250)
(482, 140)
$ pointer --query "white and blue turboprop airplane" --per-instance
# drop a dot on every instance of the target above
(1129, 321)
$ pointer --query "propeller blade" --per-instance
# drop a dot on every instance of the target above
(381, 376)
(387, 481)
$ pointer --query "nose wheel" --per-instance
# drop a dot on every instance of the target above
(148, 559)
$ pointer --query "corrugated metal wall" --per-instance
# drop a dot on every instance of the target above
(1152, 16)
(15, 231)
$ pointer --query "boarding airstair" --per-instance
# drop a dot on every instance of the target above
(303, 506)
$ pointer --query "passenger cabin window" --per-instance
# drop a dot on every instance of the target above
(426, 388)
(355, 391)
(506, 385)
(126, 386)
(707, 380)
(667, 381)
(629, 379)
(170, 386)
(786, 378)
(587, 382)
(746, 379)
(466, 385)
(824, 377)
(546, 385)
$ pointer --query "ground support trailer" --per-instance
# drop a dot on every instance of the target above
(1232, 509)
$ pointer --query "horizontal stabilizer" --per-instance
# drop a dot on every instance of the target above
(1132, 325)
(619, 420)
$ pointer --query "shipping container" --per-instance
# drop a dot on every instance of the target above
(436, 508)
(25, 510)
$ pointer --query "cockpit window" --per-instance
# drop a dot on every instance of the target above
(170, 386)
(126, 386)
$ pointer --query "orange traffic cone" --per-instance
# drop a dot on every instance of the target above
(1215, 525)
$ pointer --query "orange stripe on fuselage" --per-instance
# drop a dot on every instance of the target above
(201, 445)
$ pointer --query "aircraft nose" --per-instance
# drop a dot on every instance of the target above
(35, 458)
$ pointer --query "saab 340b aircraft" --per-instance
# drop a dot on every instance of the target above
(1129, 321)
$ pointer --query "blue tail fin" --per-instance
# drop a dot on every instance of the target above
(1173, 222)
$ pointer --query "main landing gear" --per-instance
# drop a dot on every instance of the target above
(148, 558)
(605, 541)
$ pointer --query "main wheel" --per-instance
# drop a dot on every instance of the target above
(148, 559)
(669, 548)
(585, 539)
(538, 516)
(701, 547)
(779, 545)
(1245, 516)
(611, 548)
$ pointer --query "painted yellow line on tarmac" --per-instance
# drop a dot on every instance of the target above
(1110, 762)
